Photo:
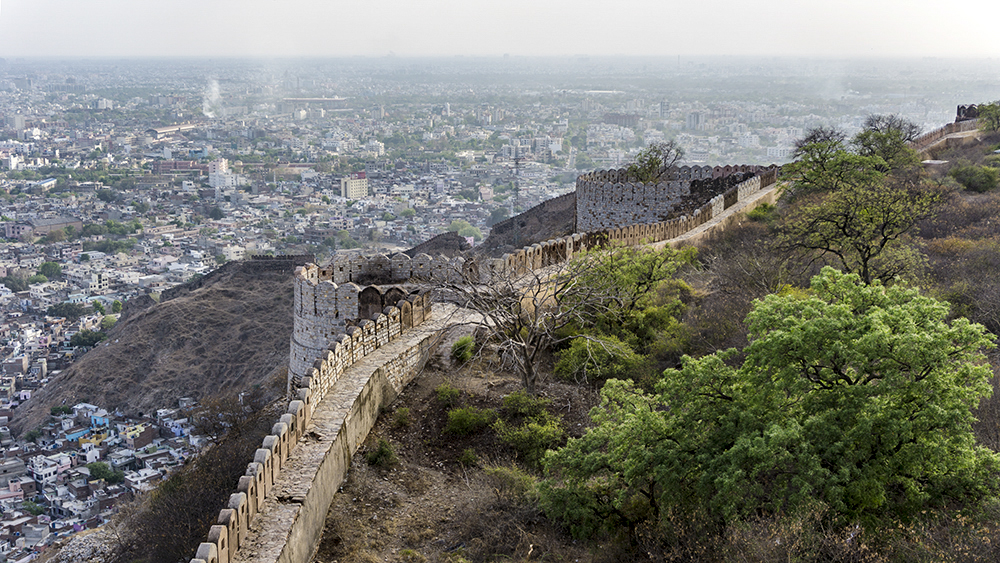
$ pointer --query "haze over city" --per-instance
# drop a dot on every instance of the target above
(295, 28)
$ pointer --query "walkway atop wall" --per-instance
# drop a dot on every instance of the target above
(302, 474)
(699, 233)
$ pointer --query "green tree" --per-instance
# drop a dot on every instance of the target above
(852, 395)
(70, 311)
(497, 215)
(50, 270)
(33, 508)
(407, 213)
(989, 116)
(653, 163)
(108, 322)
(14, 283)
(463, 228)
(55, 235)
(861, 227)
(37, 278)
(820, 169)
(216, 213)
(532, 311)
(888, 137)
(116, 307)
(98, 307)
(101, 470)
(87, 338)
(106, 196)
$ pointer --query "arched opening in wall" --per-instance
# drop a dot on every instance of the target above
(393, 296)
(369, 302)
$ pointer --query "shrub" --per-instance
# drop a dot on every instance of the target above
(763, 213)
(447, 395)
(411, 556)
(401, 418)
(462, 349)
(521, 405)
(468, 457)
(511, 484)
(382, 455)
(976, 178)
(531, 439)
(466, 420)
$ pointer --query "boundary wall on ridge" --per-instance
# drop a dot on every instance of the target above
(337, 323)
(337, 355)
(931, 137)
(607, 199)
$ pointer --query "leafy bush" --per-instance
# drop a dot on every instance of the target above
(411, 556)
(596, 359)
(511, 484)
(401, 418)
(764, 213)
(976, 178)
(382, 455)
(447, 395)
(468, 457)
(532, 438)
(466, 420)
(521, 405)
(462, 349)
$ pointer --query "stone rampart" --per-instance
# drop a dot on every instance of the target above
(927, 139)
(607, 199)
(324, 310)
(336, 355)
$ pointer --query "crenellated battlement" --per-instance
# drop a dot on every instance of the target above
(325, 310)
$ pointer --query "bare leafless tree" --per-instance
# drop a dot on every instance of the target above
(526, 310)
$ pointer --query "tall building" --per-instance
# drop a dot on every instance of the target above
(695, 121)
(354, 186)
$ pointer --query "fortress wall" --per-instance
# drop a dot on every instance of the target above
(324, 345)
(318, 381)
(612, 198)
(931, 137)
(324, 310)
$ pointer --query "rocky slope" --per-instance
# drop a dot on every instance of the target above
(228, 331)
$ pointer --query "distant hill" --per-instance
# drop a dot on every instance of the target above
(228, 331)
(550, 219)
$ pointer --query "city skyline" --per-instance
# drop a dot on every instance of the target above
(294, 28)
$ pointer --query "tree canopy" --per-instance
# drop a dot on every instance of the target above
(851, 395)
(861, 227)
(989, 116)
(653, 162)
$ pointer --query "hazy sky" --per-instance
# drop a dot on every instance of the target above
(831, 28)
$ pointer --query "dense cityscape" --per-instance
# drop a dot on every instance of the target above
(124, 178)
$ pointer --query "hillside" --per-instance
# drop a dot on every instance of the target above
(228, 331)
